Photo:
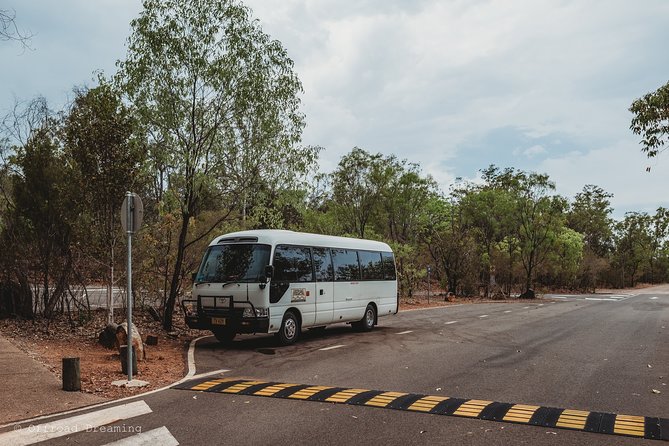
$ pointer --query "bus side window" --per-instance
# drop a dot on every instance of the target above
(292, 264)
(346, 266)
(388, 266)
(323, 265)
(371, 265)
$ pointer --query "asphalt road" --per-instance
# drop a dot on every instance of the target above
(566, 352)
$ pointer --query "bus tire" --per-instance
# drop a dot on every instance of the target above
(368, 320)
(224, 336)
(290, 329)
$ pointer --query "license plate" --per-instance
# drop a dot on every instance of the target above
(218, 321)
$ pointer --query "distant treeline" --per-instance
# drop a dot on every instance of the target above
(203, 121)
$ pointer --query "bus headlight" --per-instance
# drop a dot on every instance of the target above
(260, 312)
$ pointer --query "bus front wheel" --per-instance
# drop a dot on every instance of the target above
(290, 329)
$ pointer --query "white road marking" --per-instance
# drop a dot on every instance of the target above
(71, 425)
(508, 311)
(525, 308)
(450, 322)
(160, 436)
(653, 298)
(405, 332)
(608, 299)
(484, 315)
(541, 305)
(332, 347)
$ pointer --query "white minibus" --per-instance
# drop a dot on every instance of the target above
(276, 281)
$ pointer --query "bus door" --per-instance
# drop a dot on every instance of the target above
(324, 285)
(293, 273)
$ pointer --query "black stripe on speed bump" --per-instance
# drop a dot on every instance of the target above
(608, 423)
(325, 394)
(285, 393)
(546, 416)
(652, 428)
(664, 429)
(495, 411)
(449, 406)
(596, 422)
(256, 387)
(405, 401)
(361, 398)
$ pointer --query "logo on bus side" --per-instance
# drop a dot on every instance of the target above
(299, 295)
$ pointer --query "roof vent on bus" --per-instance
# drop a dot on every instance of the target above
(238, 240)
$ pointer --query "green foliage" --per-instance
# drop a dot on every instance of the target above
(590, 214)
(651, 120)
(221, 102)
(106, 155)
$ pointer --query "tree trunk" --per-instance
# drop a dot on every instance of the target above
(176, 275)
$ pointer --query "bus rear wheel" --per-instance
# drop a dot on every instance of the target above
(367, 321)
(224, 336)
(290, 329)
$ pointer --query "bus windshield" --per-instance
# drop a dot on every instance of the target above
(234, 263)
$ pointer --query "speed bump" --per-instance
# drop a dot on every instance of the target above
(651, 428)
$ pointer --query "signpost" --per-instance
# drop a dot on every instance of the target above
(132, 214)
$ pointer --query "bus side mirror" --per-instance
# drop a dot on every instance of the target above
(269, 272)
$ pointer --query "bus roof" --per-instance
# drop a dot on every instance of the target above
(279, 236)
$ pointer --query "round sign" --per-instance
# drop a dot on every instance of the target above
(132, 212)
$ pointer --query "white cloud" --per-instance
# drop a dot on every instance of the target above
(619, 169)
(421, 79)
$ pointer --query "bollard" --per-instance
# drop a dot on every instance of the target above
(71, 375)
(124, 360)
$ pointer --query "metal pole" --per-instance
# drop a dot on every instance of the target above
(129, 221)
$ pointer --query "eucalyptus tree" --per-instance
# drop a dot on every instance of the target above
(488, 210)
(659, 239)
(633, 241)
(651, 120)
(541, 217)
(590, 214)
(105, 150)
(357, 187)
(537, 216)
(221, 102)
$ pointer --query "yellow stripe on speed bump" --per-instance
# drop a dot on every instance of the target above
(304, 394)
(271, 390)
(209, 384)
(573, 419)
(241, 386)
(520, 413)
(427, 403)
(345, 395)
(384, 399)
(471, 408)
(629, 425)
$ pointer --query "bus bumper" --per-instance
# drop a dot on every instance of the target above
(231, 320)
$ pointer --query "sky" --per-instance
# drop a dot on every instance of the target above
(453, 85)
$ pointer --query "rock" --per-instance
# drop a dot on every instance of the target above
(107, 337)
(136, 340)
